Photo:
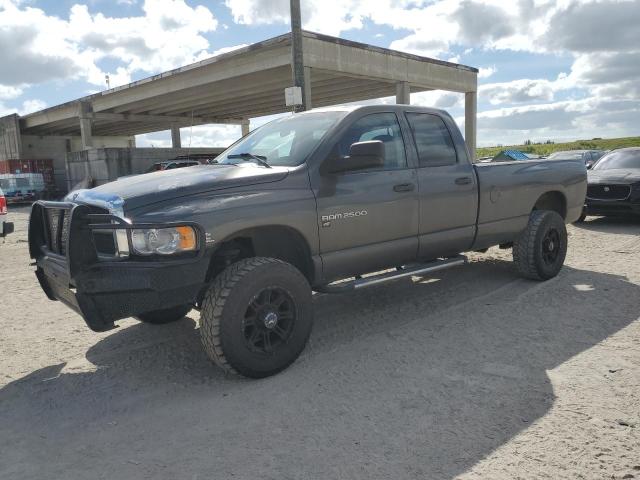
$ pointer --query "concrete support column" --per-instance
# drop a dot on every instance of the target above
(470, 119)
(306, 95)
(245, 128)
(403, 93)
(176, 142)
(297, 60)
(86, 125)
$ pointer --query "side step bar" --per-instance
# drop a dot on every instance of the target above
(404, 271)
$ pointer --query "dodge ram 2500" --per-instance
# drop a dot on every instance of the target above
(293, 207)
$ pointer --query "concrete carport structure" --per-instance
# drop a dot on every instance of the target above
(249, 82)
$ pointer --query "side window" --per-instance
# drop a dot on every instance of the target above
(433, 140)
(377, 126)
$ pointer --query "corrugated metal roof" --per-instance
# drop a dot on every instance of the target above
(515, 154)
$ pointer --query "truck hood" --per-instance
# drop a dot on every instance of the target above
(140, 190)
(623, 176)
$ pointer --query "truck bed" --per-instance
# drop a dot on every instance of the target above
(507, 190)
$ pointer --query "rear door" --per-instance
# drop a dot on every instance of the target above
(447, 188)
(368, 219)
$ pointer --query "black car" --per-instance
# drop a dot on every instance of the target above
(614, 184)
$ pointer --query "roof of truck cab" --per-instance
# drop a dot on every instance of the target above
(374, 107)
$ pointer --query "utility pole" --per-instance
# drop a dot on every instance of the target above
(297, 62)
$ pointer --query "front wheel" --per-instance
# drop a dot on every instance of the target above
(256, 317)
(540, 250)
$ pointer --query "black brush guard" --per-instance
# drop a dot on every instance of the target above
(70, 269)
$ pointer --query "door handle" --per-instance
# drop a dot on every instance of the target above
(404, 187)
(463, 181)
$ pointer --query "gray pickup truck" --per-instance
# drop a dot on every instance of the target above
(329, 200)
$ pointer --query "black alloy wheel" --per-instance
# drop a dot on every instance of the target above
(551, 247)
(269, 320)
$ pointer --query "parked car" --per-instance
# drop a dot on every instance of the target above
(294, 206)
(614, 184)
(7, 227)
(589, 157)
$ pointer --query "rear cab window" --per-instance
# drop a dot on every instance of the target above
(432, 139)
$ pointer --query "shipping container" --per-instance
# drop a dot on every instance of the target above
(42, 166)
(22, 186)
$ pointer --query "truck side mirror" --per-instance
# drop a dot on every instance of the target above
(362, 155)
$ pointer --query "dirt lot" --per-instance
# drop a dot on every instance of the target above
(473, 374)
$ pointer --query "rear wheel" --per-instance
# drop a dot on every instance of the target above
(540, 250)
(256, 317)
(166, 315)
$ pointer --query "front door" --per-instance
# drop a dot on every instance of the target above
(368, 220)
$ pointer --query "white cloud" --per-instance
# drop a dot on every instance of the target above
(334, 16)
(27, 106)
(594, 26)
(570, 119)
(482, 22)
(518, 91)
(42, 47)
(486, 72)
(32, 105)
(8, 92)
(438, 99)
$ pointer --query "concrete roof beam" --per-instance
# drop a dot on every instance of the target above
(250, 82)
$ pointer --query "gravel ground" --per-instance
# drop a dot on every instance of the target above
(475, 373)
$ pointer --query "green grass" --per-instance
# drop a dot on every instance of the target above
(547, 148)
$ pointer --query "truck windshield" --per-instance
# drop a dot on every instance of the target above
(619, 159)
(285, 142)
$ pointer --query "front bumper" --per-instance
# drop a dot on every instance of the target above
(104, 290)
(611, 207)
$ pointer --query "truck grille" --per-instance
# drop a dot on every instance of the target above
(57, 229)
(104, 240)
(608, 192)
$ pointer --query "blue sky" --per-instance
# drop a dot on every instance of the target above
(556, 70)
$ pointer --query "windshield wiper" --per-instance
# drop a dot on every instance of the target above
(261, 159)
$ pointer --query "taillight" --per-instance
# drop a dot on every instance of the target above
(3, 205)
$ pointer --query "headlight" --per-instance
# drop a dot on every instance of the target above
(163, 241)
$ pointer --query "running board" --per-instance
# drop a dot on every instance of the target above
(404, 271)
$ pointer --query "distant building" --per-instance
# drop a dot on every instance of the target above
(509, 156)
